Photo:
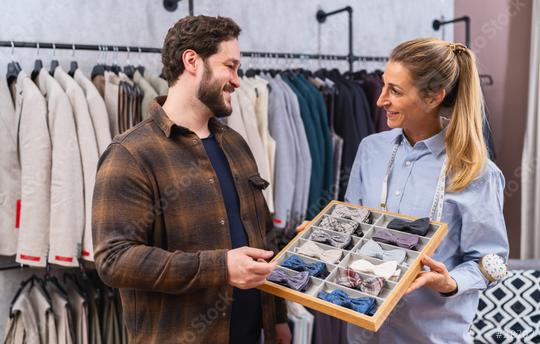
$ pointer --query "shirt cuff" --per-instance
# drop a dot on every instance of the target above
(468, 278)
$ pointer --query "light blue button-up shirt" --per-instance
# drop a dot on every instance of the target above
(475, 228)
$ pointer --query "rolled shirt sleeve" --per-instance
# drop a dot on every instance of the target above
(483, 229)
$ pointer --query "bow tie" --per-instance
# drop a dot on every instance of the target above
(311, 249)
(372, 249)
(418, 227)
(385, 270)
(355, 214)
(317, 269)
(350, 278)
(334, 239)
(364, 305)
(339, 225)
(399, 239)
(298, 281)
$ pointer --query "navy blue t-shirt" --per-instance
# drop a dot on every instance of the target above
(246, 323)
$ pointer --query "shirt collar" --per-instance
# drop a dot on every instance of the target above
(435, 143)
(170, 128)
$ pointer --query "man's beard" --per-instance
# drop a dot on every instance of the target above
(210, 93)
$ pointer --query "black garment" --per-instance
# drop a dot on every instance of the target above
(246, 322)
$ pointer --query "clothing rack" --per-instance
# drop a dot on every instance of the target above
(466, 19)
(128, 49)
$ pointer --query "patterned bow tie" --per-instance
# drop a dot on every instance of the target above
(338, 225)
(355, 214)
(311, 249)
(399, 239)
(298, 281)
(385, 270)
(364, 305)
(372, 249)
(418, 227)
(350, 278)
(335, 239)
(317, 269)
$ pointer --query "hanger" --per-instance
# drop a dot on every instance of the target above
(13, 68)
(129, 70)
(115, 68)
(140, 67)
(54, 62)
(99, 69)
(73, 66)
(48, 278)
(38, 65)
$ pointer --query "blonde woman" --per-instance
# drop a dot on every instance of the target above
(434, 163)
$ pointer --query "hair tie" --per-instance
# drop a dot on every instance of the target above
(457, 48)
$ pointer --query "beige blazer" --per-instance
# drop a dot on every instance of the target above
(111, 100)
(67, 200)
(254, 139)
(89, 152)
(10, 173)
(35, 159)
(98, 111)
(149, 92)
(160, 85)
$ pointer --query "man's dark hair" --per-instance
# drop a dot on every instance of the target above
(199, 33)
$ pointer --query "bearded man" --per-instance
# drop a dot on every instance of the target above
(179, 221)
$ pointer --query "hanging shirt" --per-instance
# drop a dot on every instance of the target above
(475, 228)
(245, 326)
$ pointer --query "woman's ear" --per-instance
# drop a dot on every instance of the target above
(435, 99)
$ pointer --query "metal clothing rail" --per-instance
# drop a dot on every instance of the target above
(135, 49)
(466, 19)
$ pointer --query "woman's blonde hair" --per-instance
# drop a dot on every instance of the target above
(434, 65)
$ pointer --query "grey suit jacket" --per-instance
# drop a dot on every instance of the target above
(67, 201)
(98, 111)
(88, 149)
(303, 153)
(10, 173)
(34, 151)
(281, 129)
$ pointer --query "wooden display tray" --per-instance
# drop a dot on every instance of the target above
(389, 296)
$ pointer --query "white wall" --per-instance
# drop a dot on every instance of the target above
(268, 25)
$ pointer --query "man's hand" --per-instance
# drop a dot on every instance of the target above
(302, 226)
(283, 334)
(247, 267)
(437, 279)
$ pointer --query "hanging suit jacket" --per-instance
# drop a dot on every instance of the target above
(88, 149)
(303, 154)
(160, 85)
(149, 92)
(35, 154)
(111, 100)
(67, 201)
(10, 173)
(286, 160)
(254, 140)
(98, 111)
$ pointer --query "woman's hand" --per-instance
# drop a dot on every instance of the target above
(437, 279)
(302, 226)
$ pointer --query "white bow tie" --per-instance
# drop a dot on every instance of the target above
(385, 270)
(311, 249)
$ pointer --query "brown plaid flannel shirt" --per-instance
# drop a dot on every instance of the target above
(161, 234)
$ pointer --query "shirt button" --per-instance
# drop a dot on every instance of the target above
(211, 180)
(194, 141)
(398, 193)
(224, 314)
(222, 222)
(408, 163)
